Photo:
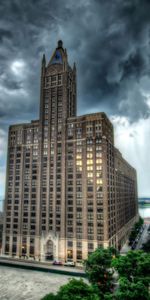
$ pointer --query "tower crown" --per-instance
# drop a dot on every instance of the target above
(60, 44)
(59, 56)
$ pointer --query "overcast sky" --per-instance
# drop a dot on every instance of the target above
(110, 42)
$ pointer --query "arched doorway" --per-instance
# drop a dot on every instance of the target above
(49, 246)
(49, 250)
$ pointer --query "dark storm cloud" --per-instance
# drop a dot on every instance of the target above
(5, 34)
(109, 40)
(117, 57)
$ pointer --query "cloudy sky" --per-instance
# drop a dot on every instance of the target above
(110, 42)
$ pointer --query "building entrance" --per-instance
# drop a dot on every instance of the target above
(49, 246)
(49, 250)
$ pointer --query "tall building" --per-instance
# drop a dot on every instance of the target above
(68, 189)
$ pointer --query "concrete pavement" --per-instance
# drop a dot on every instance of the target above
(41, 266)
(18, 284)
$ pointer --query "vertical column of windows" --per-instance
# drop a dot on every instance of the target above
(99, 188)
(111, 190)
(89, 184)
(70, 189)
(58, 186)
(10, 191)
(79, 187)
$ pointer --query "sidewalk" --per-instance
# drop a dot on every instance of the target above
(125, 248)
(43, 267)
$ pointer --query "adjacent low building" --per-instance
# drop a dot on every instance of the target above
(68, 189)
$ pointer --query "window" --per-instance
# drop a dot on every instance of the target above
(89, 155)
(79, 254)
(89, 175)
(98, 160)
(89, 161)
(90, 189)
(90, 246)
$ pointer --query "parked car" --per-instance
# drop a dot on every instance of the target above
(69, 264)
(57, 263)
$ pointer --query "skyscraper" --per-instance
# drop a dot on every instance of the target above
(68, 189)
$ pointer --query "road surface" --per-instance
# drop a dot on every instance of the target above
(144, 237)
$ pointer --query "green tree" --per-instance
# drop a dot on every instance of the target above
(135, 266)
(98, 268)
(132, 291)
(129, 291)
(74, 290)
(51, 296)
(134, 277)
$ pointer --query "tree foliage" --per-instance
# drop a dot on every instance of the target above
(134, 266)
(133, 284)
(74, 290)
(129, 291)
(98, 268)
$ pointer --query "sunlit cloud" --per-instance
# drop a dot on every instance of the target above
(3, 146)
(18, 67)
(134, 143)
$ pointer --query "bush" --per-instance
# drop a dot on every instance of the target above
(74, 290)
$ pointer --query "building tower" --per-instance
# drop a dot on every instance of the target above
(68, 189)
(58, 102)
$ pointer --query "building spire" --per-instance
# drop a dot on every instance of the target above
(74, 67)
(43, 60)
(60, 44)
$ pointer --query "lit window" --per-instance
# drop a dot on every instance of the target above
(99, 161)
(98, 147)
(79, 156)
(89, 148)
(99, 181)
(79, 149)
(89, 168)
(89, 161)
(89, 155)
(98, 167)
(98, 154)
(90, 181)
(89, 174)
(79, 168)
(79, 163)
(99, 174)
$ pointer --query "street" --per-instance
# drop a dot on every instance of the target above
(143, 238)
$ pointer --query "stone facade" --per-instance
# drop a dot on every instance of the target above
(68, 189)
